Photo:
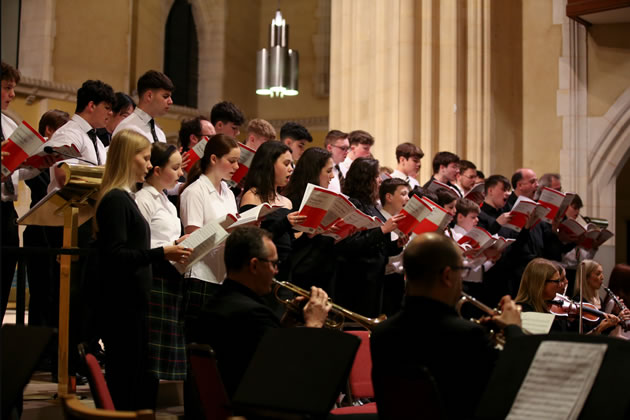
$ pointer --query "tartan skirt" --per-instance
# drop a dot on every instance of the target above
(167, 345)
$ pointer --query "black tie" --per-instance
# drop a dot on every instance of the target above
(92, 135)
(8, 183)
(153, 133)
(341, 178)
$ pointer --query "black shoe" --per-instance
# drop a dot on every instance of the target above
(81, 380)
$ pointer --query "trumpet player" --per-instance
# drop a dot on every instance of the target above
(428, 333)
(236, 318)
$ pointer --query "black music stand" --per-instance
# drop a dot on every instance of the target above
(296, 373)
(22, 347)
(609, 397)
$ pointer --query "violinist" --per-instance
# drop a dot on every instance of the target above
(539, 284)
(593, 275)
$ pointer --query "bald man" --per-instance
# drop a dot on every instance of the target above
(524, 183)
(428, 332)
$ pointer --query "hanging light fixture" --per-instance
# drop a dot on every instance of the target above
(277, 66)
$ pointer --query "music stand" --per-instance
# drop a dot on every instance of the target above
(296, 373)
(22, 347)
(608, 396)
(69, 206)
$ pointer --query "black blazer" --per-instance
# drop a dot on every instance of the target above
(233, 322)
(457, 352)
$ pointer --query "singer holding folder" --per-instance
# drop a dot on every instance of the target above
(126, 257)
(167, 346)
(206, 197)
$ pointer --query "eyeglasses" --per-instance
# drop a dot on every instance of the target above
(554, 281)
(342, 148)
(465, 270)
(274, 263)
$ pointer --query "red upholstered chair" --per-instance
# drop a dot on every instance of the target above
(207, 379)
(96, 379)
(361, 374)
(360, 379)
(409, 394)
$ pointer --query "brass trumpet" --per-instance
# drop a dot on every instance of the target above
(339, 313)
(497, 337)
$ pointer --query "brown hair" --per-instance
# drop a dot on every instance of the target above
(360, 137)
(262, 128)
(9, 73)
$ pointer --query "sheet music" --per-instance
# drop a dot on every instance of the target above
(558, 381)
(537, 322)
(203, 240)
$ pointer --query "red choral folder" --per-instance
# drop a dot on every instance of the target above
(21, 144)
(196, 153)
(556, 201)
(244, 162)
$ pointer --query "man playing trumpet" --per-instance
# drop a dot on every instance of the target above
(236, 319)
(427, 333)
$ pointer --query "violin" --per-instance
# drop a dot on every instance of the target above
(622, 307)
(563, 306)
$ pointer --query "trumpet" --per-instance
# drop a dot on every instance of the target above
(338, 313)
(497, 337)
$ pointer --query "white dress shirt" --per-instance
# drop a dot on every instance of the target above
(201, 203)
(138, 121)
(160, 214)
(413, 182)
(345, 165)
(75, 132)
(334, 184)
(394, 263)
(8, 127)
(476, 274)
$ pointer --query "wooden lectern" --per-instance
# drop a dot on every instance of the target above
(69, 206)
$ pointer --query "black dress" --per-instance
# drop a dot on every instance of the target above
(124, 241)
(361, 261)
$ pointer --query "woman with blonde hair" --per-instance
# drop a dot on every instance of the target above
(123, 239)
(592, 275)
(539, 284)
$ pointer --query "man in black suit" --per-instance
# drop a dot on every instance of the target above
(428, 332)
(236, 319)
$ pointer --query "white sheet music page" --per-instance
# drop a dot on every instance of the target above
(558, 380)
(203, 240)
(537, 322)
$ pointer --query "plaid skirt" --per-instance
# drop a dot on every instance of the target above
(197, 294)
(167, 345)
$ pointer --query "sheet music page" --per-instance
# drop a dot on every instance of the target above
(558, 381)
(203, 240)
(537, 322)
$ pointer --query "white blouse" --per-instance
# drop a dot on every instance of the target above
(199, 204)
(160, 214)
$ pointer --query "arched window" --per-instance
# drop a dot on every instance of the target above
(181, 51)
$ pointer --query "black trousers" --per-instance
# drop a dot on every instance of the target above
(10, 238)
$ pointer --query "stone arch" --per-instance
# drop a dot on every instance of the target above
(209, 18)
(611, 148)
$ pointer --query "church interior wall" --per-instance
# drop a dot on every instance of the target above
(608, 65)
(93, 42)
(542, 127)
